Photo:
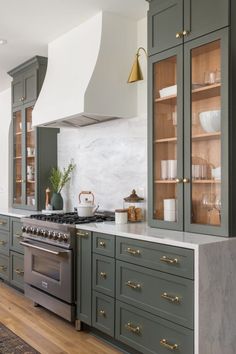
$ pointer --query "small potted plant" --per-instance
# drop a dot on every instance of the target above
(58, 180)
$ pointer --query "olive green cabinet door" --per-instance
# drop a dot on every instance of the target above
(83, 277)
(17, 270)
(17, 91)
(165, 24)
(16, 235)
(30, 86)
(202, 17)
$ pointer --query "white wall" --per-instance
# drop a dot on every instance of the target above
(111, 158)
(5, 119)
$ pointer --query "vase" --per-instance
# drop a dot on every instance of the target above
(57, 201)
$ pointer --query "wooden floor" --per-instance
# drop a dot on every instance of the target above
(43, 330)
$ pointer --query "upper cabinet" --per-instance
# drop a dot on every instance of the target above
(172, 22)
(191, 123)
(33, 150)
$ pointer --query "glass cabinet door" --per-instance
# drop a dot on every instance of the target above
(208, 77)
(30, 158)
(17, 157)
(167, 139)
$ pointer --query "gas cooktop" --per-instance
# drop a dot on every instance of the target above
(73, 218)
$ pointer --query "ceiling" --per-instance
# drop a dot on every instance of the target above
(29, 25)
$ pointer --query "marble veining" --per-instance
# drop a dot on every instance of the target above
(111, 160)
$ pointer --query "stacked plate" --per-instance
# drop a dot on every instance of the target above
(168, 91)
(210, 121)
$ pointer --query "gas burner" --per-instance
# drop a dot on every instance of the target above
(73, 218)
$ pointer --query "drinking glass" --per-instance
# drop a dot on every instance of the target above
(208, 203)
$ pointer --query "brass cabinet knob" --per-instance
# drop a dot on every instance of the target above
(82, 234)
(102, 313)
(2, 242)
(186, 180)
(179, 35)
(3, 268)
(164, 343)
(133, 252)
(19, 271)
(186, 33)
(133, 285)
(2, 222)
(178, 180)
(103, 275)
(169, 260)
(171, 298)
(18, 236)
(102, 244)
(132, 328)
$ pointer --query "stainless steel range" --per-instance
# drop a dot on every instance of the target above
(49, 242)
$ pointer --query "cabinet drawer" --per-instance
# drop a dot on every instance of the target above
(170, 259)
(103, 313)
(16, 235)
(104, 244)
(4, 242)
(17, 269)
(151, 334)
(162, 294)
(104, 274)
(4, 267)
(4, 223)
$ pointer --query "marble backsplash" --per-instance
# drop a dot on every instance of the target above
(110, 158)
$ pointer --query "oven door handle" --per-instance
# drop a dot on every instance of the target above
(26, 244)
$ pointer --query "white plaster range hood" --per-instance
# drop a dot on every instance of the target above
(86, 80)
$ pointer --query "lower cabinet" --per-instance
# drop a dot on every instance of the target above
(142, 292)
(11, 252)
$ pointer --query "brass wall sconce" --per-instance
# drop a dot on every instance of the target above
(136, 72)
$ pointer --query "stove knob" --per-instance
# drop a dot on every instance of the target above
(55, 235)
(50, 234)
(34, 230)
(28, 229)
(38, 232)
(44, 233)
(60, 237)
(23, 229)
(65, 237)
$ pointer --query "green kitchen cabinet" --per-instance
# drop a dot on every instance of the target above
(33, 150)
(173, 22)
(189, 132)
(84, 276)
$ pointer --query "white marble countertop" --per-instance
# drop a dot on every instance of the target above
(18, 213)
(141, 231)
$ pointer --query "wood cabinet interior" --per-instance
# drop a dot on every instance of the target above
(17, 155)
(165, 134)
(30, 158)
(206, 150)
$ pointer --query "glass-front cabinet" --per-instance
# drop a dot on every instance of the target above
(188, 128)
(24, 162)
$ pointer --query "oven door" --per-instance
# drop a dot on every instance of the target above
(49, 268)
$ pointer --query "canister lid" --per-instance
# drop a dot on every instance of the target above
(133, 197)
(121, 211)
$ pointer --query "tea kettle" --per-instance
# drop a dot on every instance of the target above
(86, 206)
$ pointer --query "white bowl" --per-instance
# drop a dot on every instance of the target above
(168, 91)
(216, 173)
(210, 121)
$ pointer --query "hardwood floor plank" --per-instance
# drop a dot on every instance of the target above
(43, 330)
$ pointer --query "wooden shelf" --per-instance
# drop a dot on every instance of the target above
(17, 157)
(30, 181)
(206, 92)
(18, 133)
(30, 131)
(206, 136)
(30, 156)
(206, 181)
(167, 99)
(166, 140)
(165, 181)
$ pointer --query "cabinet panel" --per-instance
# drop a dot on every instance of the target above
(202, 17)
(4, 242)
(165, 23)
(104, 274)
(17, 270)
(169, 259)
(206, 107)
(104, 244)
(165, 139)
(30, 86)
(151, 334)
(161, 294)
(16, 235)
(84, 276)
(103, 313)
(17, 91)
(4, 267)
(4, 223)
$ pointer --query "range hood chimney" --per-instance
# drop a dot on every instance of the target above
(86, 80)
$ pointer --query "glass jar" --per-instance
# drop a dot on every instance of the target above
(135, 206)
(121, 216)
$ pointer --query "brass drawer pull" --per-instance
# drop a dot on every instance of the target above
(186, 33)
(132, 328)
(18, 235)
(171, 298)
(169, 346)
(2, 243)
(133, 251)
(19, 271)
(169, 260)
(178, 180)
(186, 180)
(133, 285)
(82, 234)
(103, 275)
(102, 313)
(2, 222)
(3, 268)
(102, 244)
